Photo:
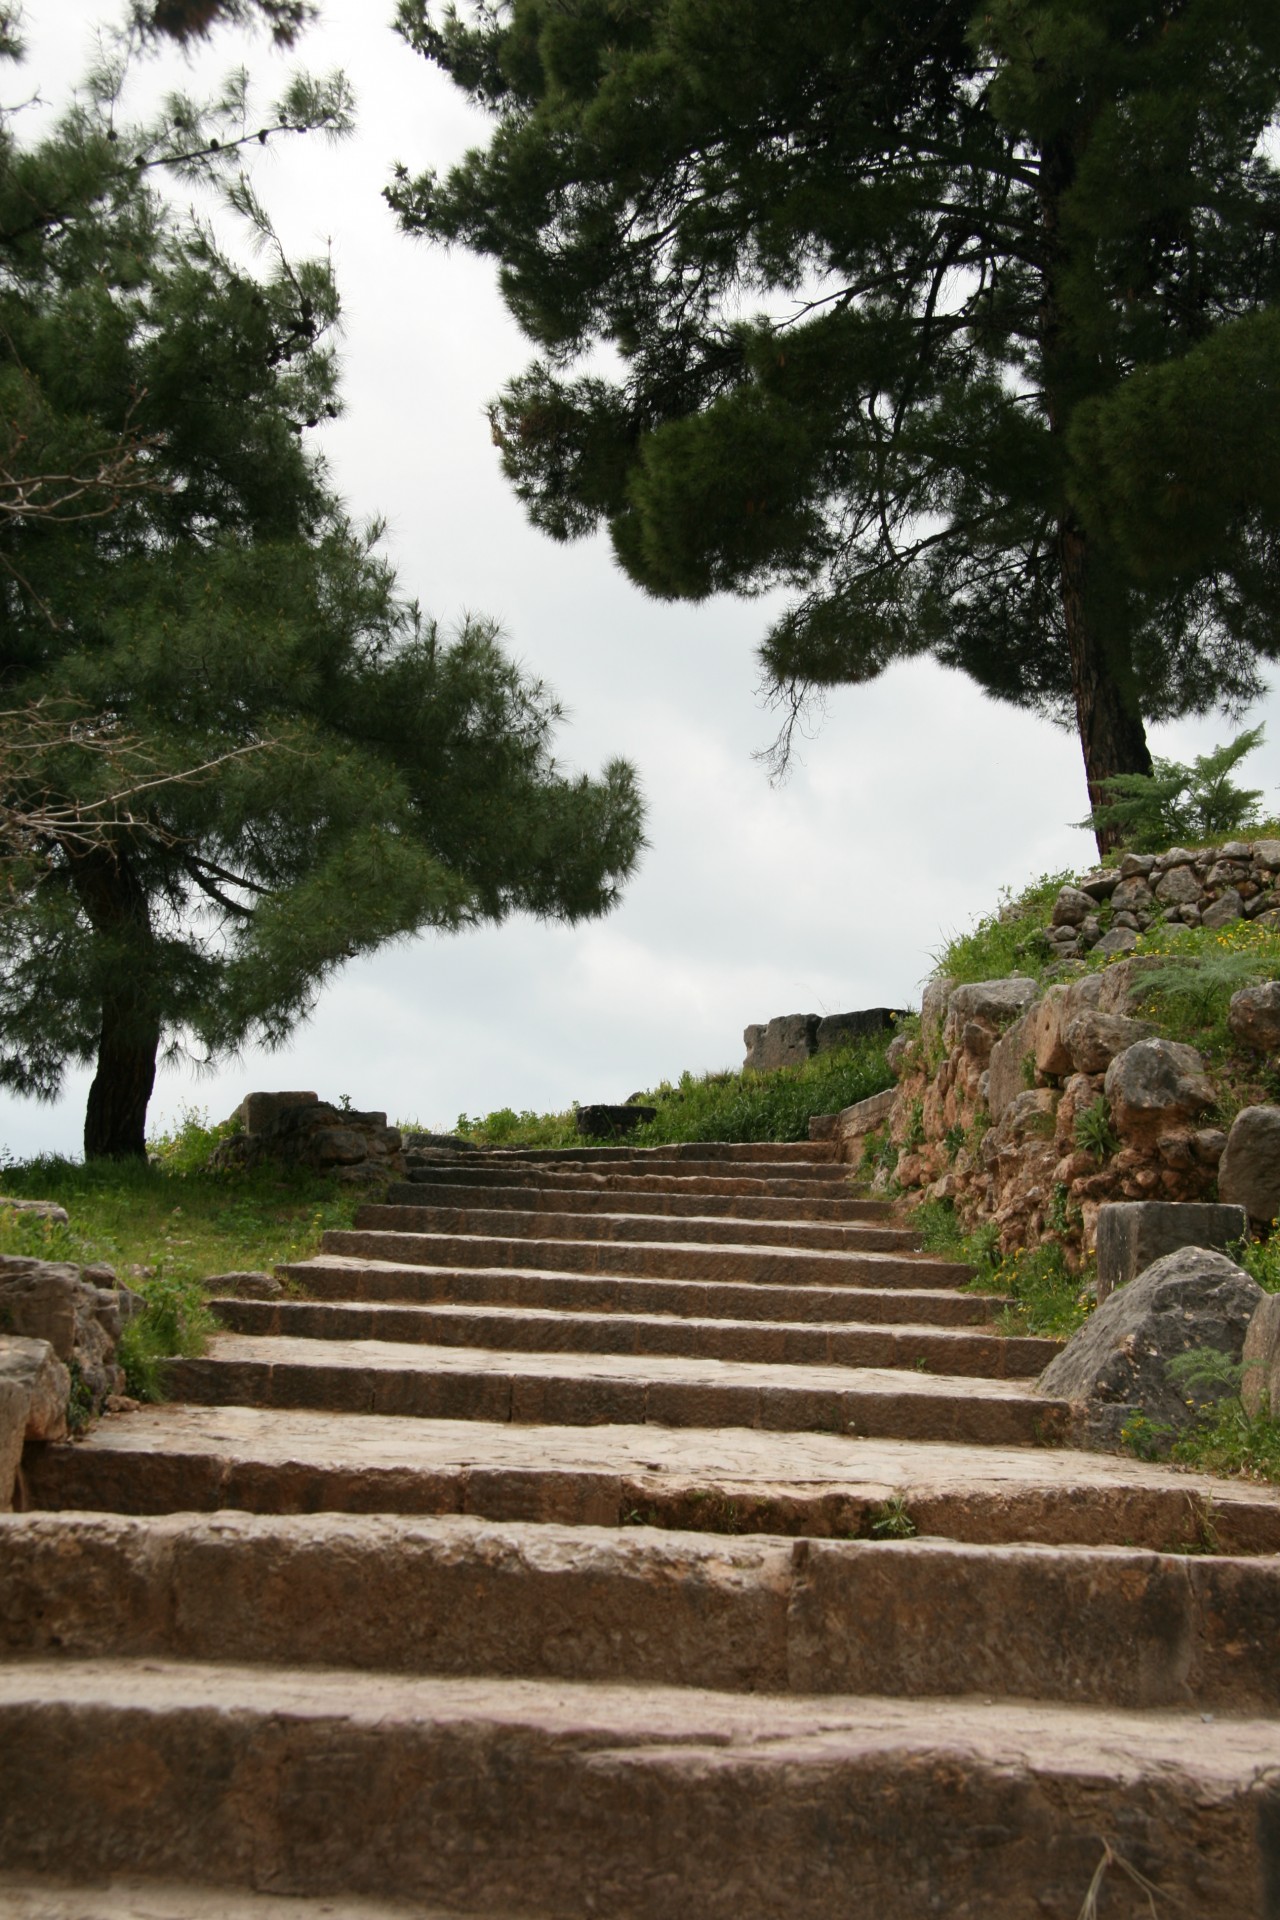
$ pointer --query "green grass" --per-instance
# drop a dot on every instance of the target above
(166, 1224)
(716, 1106)
(1010, 940)
(1227, 1440)
(1044, 1296)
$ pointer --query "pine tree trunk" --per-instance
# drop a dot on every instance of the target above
(1108, 719)
(116, 904)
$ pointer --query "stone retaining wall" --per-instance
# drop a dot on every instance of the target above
(1107, 910)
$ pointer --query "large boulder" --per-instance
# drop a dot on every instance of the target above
(1155, 1086)
(1093, 1039)
(1249, 1172)
(34, 1391)
(1116, 1368)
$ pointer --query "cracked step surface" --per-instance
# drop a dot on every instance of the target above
(173, 1457)
(923, 1347)
(381, 1377)
(456, 1595)
(555, 1193)
(353, 1277)
(312, 1782)
(669, 1260)
(856, 1236)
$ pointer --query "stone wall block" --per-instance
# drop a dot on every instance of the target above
(1155, 1084)
(1249, 1173)
(35, 1388)
(1134, 1234)
(1092, 1039)
(1011, 1056)
(1260, 1386)
(1072, 907)
(1227, 907)
(1254, 1016)
(1177, 887)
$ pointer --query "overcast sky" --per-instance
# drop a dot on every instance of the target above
(915, 803)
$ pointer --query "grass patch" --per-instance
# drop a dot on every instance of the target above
(1013, 939)
(1228, 1440)
(716, 1106)
(156, 1218)
(1044, 1296)
(1261, 1259)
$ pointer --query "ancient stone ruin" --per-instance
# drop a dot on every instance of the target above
(793, 1038)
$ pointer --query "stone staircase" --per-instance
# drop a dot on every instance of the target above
(634, 1534)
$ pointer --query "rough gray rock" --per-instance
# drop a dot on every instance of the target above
(448, 1142)
(1072, 906)
(295, 1129)
(1254, 1017)
(49, 1300)
(1134, 1234)
(991, 1005)
(1156, 1084)
(1178, 887)
(1093, 1039)
(1227, 907)
(38, 1209)
(1260, 1387)
(1012, 1057)
(1116, 1367)
(1117, 940)
(793, 1038)
(599, 1121)
(1249, 1173)
(34, 1390)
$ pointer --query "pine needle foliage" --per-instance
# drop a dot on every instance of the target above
(315, 767)
(960, 325)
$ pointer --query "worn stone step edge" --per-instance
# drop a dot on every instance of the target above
(452, 1595)
(433, 1383)
(675, 1184)
(193, 1459)
(579, 1799)
(30, 1897)
(355, 1278)
(803, 1152)
(687, 1229)
(549, 1330)
(671, 1260)
(456, 1192)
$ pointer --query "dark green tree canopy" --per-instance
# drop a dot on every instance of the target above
(246, 759)
(960, 323)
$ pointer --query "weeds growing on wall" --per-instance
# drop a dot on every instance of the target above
(1043, 1295)
(1010, 940)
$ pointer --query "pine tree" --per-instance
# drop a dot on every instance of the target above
(239, 758)
(960, 323)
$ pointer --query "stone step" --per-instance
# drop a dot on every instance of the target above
(688, 1229)
(800, 1153)
(455, 1595)
(563, 1196)
(733, 1481)
(562, 1799)
(665, 1260)
(343, 1277)
(550, 1330)
(39, 1897)
(448, 1383)
(829, 1182)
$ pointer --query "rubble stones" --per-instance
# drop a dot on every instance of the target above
(38, 1209)
(294, 1129)
(1212, 887)
(1134, 1234)
(1254, 1016)
(1249, 1174)
(244, 1286)
(1116, 1367)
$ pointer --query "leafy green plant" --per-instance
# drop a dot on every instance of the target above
(1261, 1259)
(1011, 940)
(1094, 1132)
(1227, 1439)
(1176, 804)
(914, 1135)
(1189, 992)
(1045, 1296)
(175, 1321)
(1145, 1438)
(891, 1520)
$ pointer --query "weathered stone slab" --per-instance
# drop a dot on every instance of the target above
(34, 1390)
(259, 1112)
(604, 1121)
(1260, 1387)
(1249, 1174)
(1134, 1234)
(787, 1041)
